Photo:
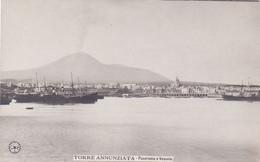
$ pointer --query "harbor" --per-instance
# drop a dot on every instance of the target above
(71, 92)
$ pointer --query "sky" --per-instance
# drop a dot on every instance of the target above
(196, 41)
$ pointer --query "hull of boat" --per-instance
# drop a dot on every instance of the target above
(241, 98)
(4, 101)
(24, 98)
(57, 99)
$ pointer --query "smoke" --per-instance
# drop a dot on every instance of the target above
(87, 16)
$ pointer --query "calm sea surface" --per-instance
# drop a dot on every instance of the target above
(199, 130)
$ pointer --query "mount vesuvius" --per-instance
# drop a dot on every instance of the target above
(88, 69)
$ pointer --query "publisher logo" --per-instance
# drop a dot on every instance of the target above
(14, 147)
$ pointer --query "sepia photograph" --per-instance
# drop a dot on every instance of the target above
(130, 80)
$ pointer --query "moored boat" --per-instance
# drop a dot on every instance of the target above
(58, 95)
(242, 96)
(5, 99)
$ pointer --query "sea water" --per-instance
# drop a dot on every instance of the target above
(189, 129)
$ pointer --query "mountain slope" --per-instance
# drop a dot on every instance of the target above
(88, 69)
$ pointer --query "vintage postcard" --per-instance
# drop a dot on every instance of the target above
(130, 80)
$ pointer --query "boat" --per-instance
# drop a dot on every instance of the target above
(5, 99)
(27, 97)
(60, 96)
(242, 96)
(29, 108)
(63, 99)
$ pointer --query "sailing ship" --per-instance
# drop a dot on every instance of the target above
(61, 96)
(242, 95)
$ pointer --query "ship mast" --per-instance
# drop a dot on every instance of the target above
(37, 84)
(242, 85)
(44, 84)
(249, 87)
(72, 83)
